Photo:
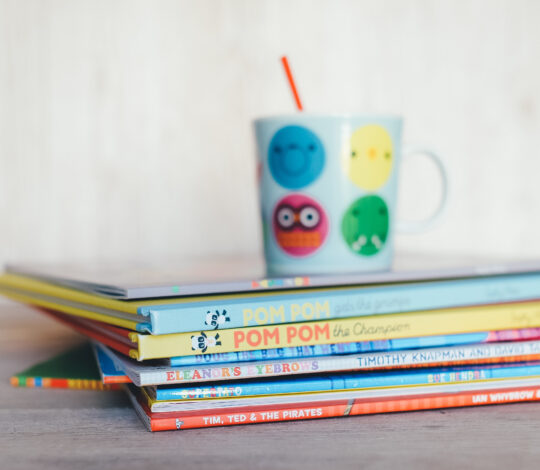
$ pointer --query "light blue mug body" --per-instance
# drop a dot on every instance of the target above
(328, 189)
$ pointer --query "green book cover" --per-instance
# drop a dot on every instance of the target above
(75, 368)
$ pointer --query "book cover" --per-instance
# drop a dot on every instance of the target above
(357, 403)
(177, 315)
(161, 374)
(114, 337)
(118, 339)
(200, 276)
(368, 328)
(75, 368)
(110, 374)
(333, 382)
(378, 327)
(358, 347)
(299, 398)
(69, 301)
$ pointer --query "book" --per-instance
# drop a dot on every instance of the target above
(161, 374)
(118, 339)
(214, 275)
(131, 279)
(115, 337)
(167, 398)
(144, 347)
(75, 368)
(369, 328)
(358, 347)
(230, 311)
(109, 373)
(68, 301)
(349, 404)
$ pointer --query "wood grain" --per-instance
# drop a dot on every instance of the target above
(65, 429)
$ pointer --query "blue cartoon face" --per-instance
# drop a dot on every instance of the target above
(295, 157)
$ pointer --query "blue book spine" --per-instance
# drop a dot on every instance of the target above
(349, 382)
(332, 349)
(322, 304)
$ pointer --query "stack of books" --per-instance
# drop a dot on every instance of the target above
(200, 353)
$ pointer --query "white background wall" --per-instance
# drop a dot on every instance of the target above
(125, 126)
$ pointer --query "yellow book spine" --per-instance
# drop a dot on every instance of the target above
(148, 399)
(366, 328)
(131, 325)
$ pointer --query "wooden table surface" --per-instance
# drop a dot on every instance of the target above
(66, 429)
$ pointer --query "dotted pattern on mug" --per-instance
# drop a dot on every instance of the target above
(296, 158)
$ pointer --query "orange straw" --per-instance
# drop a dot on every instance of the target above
(291, 82)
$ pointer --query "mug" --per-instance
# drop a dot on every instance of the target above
(328, 189)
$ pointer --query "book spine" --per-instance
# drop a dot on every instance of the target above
(109, 373)
(350, 408)
(226, 390)
(360, 347)
(51, 382)
(354, 381)
(116, 379)
(321, 304)
(369, 328)
(434, 357)
(349, 382)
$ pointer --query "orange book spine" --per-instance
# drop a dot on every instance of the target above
(116, 380)
(251, 417)
(344, 408)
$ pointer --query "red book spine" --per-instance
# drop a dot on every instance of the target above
(93, 333)
(232, 418)
(351, 408)
(116, 380)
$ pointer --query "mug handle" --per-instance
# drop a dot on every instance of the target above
(409, 226)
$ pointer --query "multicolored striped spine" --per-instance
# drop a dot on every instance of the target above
(48, 382)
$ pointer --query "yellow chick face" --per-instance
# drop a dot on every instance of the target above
(370, 158)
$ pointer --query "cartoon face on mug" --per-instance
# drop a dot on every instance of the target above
(368, 159)
(365, 225)
(300, 225)
(295, 157)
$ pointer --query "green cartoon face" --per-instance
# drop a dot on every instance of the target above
(365, 225)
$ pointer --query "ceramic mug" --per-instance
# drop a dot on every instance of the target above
(328, 190)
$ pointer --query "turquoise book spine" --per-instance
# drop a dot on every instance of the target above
(322, 304)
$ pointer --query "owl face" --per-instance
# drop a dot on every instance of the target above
(300, 225)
